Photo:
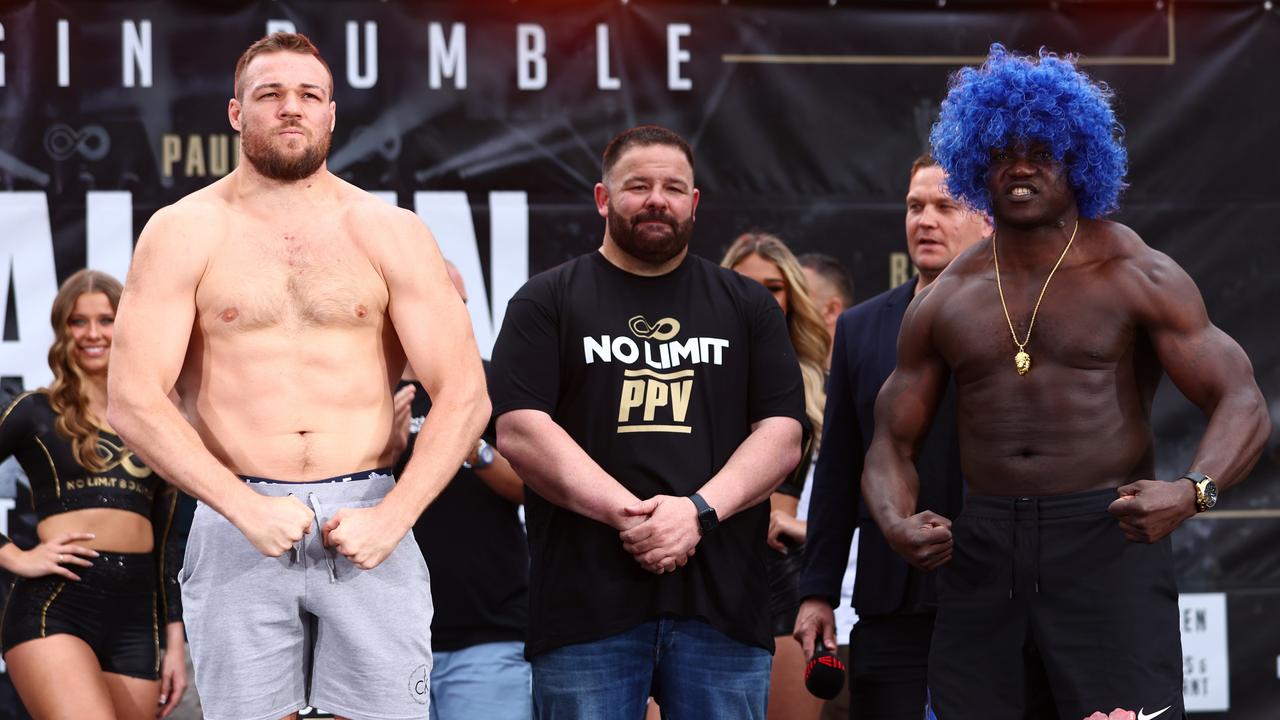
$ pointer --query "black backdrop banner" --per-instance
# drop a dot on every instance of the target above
(488, 118)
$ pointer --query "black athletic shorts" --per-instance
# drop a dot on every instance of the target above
(1046, 611)
(112, 608)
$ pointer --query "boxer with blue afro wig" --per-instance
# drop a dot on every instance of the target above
(1016, 100)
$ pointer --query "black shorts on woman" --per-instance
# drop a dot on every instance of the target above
(113, 608)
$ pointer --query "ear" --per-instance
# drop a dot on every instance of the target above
(233, 113)
(333, 115)
(602, 200)
(832, 311)
(693, 209)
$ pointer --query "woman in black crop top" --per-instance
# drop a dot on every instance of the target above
(767, 260)
(94, 600)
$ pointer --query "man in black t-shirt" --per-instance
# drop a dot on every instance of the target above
(651, 401)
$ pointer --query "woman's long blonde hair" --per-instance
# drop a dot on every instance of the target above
(67, 391)
(804, 324)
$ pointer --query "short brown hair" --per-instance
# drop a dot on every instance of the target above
(641, 136)
(278, 42)
(924, 161)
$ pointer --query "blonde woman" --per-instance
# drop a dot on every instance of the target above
(83, 622)
(767, 260)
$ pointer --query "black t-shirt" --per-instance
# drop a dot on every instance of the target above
(476, 552)
(659, 379)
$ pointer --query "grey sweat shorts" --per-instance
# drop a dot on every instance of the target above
(270, 636)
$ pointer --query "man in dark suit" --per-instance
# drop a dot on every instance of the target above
(889, 646)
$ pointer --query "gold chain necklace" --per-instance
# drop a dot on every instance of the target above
(1022, 361)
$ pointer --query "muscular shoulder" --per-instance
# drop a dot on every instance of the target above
(373, 220)
(1155, 287)
(191, 226)
(1132, 264)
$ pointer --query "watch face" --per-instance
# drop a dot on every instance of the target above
(1210, 494)
(707, 520)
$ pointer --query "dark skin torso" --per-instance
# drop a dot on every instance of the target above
(1117, 314)
(1080, 419)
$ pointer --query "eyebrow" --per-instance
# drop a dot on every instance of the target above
(277, 86)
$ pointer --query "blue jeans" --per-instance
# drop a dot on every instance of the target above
(488, 681)
(690, 668)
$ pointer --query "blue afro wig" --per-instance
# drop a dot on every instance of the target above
(1017, 99)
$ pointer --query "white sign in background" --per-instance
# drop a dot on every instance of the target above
(1202, 618)
(26, 256)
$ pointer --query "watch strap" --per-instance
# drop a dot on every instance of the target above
(1202, 484)
(707, 518)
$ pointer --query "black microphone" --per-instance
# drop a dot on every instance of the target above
(824, 674)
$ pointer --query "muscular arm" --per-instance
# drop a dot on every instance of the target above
(435, 332)
(153, 327)
(904, 410)
(555, 467)
(1210, 369)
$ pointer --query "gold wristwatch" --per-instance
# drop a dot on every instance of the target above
(1206, 490)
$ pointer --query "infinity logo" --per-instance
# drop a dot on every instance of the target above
(661, 331)
(117, 455)
(91, 141)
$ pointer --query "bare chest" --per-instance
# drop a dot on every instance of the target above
(1080, 325)
(291, 279)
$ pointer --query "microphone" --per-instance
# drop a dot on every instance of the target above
(824, 673)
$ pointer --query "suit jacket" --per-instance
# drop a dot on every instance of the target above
(864, 354)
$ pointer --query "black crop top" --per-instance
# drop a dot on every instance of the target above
(59, 483)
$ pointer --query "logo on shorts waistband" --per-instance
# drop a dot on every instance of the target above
(419, 685)
(1142, 715)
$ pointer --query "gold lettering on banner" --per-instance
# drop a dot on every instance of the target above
(199, 156)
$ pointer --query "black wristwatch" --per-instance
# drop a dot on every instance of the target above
(484, 456)
(1206, 490)
(707, 518)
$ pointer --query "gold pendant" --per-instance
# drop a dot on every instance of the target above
(1022, 361)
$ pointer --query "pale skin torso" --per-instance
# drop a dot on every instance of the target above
(292, 355)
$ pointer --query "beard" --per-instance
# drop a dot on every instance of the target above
(276, 165)
(650, 245)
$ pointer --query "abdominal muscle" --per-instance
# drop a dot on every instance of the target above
(114, 530)
(297, 411)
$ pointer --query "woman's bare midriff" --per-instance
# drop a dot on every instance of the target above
(122, 531)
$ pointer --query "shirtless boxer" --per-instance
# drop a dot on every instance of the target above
(281, 303)
(1056, 588)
